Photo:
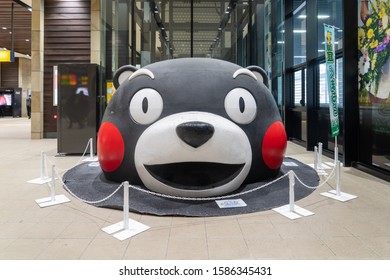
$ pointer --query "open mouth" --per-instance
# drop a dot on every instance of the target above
(194, 175)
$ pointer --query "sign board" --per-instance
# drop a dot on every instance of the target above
(7, 56)
(331, 79)
(231, 203)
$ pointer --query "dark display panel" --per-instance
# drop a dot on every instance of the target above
(77, 107)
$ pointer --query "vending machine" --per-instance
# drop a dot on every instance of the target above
(78, 107)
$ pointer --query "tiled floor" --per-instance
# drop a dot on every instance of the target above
(357, 229)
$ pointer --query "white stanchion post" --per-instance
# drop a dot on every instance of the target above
(91, 155)
(91, 148)
(315, 157)
(122, 229)
(53, 183)
(126, 205)
(337, 194)
(319, 161)
(53, 199)
(291, 180)
(291, 210)
(43, 178)
(337, 166)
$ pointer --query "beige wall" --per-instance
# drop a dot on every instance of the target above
(37, 35)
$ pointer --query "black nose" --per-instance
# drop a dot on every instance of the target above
(195, 133)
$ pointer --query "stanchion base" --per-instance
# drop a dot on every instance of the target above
(90, 159)
(40, 181)
(343, 197)
(46, 201)
(117, 230)
(298, 212)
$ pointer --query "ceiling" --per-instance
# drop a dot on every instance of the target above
(22, 27)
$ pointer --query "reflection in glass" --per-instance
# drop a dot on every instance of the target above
(330, 12)
(300, 35)
(322, 89)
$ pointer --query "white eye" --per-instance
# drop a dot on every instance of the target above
(240, 105)
(146, 106)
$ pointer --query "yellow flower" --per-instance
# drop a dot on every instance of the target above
(382, 13)
(361, 35)
(370, 33)
(368, 22)
(373, 61)
(374, 44)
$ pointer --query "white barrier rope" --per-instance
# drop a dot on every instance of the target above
(207, 198)
(320, 185)
(190, 198)
(89, 201)
(184, 198)
(78, 162)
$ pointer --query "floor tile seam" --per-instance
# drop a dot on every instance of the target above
(168, 240)
(322, 243)
(365, 246)
(43, 250)
(89, 244)
(60, 239)
(207, 239)
(372, 248)
(248, 250)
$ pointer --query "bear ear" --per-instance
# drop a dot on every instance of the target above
(260, 74)
(122, 74)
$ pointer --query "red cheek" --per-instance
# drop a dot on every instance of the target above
(274, 145)
(110, 147)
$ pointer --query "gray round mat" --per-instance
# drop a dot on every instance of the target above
(86, 181)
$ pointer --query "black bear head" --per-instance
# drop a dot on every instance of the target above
(191, 127)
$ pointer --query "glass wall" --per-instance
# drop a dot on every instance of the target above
(374, 83)
(308, 103)
(300, 34)
(141, 32)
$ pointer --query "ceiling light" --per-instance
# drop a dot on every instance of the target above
(323, 16)
(299, 31)
(4, 28)
(319, 16)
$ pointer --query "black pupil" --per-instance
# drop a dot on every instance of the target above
(145, 105)
(241, 104)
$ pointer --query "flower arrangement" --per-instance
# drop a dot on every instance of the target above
(373, 40)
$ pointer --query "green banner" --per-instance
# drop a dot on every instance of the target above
(331, 79)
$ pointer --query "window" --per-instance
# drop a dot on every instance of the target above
(300, 35)
(300, 87)
(330, 12)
